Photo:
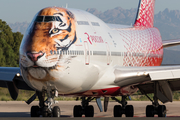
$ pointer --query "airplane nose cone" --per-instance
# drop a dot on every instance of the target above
(34, 56)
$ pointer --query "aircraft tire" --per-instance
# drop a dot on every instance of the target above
(129, 111)
(150, 111)
(89, 111)
(117, 111)
(56, 111)
(45, 112)
(35, 111)
(161, 111)
(77, 112)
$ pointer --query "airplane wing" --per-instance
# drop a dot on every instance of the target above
(170, 43)
(10, 77)
(167, 77)
(8, 73)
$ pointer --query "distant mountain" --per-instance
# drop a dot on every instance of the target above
(168, 22)
(117, 15)
(19, 26)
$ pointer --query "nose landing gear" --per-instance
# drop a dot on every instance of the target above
(45, 106)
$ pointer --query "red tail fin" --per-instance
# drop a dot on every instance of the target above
(145, 15)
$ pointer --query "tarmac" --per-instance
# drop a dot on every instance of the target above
(21, 109)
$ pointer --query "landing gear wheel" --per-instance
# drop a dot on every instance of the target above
(161, 111)
(77, 112)
(35, 111)
(89, 111)
(117, 111)
(56, 111)
(45, 112)
(129, 111)
(150, 111)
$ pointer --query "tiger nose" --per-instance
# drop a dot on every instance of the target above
(34, 56)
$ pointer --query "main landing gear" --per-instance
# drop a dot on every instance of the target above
(128, 110)
(155, 108)
(45, 106)
(88, 110)
(160, 110)
(84, 108)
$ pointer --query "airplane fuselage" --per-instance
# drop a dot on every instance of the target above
(74, 52)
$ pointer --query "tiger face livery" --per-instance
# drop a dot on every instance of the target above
(53, 29)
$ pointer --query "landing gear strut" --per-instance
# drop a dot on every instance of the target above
(128, 110)
(45, 106)
(155, 108)
(84, 108)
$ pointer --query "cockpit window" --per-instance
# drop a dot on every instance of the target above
(39, 18)
(47, 18)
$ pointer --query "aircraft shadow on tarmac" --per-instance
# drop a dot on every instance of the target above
(14, 114)
(27, 114)
(21, 114)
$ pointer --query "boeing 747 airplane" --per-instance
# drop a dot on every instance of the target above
(70, 52)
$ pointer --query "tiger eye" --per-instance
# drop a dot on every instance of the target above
(55, 30)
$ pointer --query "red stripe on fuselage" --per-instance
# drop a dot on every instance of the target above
(99, 92)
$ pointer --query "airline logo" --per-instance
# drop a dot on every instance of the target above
(94, 38)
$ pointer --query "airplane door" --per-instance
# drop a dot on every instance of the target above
(86, 53)
(108, 53)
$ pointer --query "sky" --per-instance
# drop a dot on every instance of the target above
(13, 11)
